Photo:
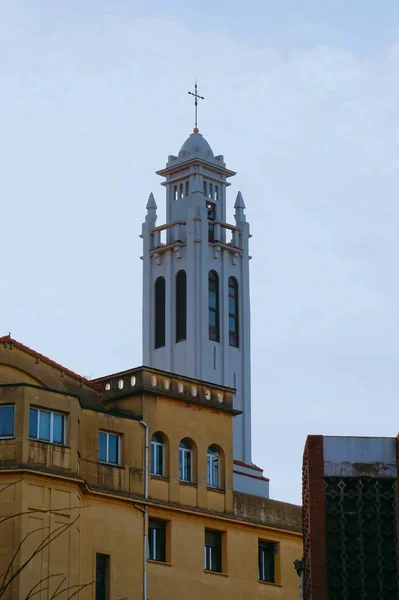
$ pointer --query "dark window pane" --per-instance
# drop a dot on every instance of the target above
(44, 425)
(160, 312)
(266, 553)
(181, 306)
(213, 551)
(157, 540)
(232, 305)
(232, 325)
(58, 428)
(33, 416)
(102, 568)
(212, 299)
(213, 309)
(102, 446)
(6, 421)
(113, 449)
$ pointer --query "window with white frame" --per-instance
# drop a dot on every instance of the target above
(6, 421)
(109, 447)
(213, 467)
(157, 454)
(266, 557)
(213, 551)
(157, 540)
(185, 461)
(46, 426)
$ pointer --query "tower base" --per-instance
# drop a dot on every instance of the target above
(249, 480)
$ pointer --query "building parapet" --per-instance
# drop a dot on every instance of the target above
(154, 381)
(280, 515)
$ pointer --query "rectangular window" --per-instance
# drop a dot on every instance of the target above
(6, 421)
(157, 540)
(266, 553)
(46, 426)
(213, 551)
(109, 447)
(102, 577)
(184, 464)
(157, 455)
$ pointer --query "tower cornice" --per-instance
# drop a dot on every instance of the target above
(174, 168)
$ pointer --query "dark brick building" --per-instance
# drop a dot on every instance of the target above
(350, 518)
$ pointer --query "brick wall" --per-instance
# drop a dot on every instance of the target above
(314, 520)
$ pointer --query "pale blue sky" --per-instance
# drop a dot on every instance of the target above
(301, 98)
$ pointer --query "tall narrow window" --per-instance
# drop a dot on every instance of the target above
(233, 312)
(185, 461)
(213, 551)
(213, 284)
(216, 193)
(157, 454)
(102, 577)
(175, 192)
(205, 189)
(157, 540)
(210, 190)
(266, 554)
(7, 421)
(160, 312)
(181, 306)
(181, 191)
(187, 187)
(213, 462)
(211, 218)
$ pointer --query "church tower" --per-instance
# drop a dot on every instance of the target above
(196, 304)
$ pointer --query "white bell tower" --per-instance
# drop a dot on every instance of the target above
(196, 304)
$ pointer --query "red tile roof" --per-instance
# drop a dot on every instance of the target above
(7, 339)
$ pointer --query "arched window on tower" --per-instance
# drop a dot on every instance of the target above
(160, 312)
(211, 191)
(233, 312)
(175, 192)
(181, 306)
(213, 285)
(187, 187)
(181, 190)
(216, 193)
(205, 189)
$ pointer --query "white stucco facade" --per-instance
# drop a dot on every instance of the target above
(197, 239)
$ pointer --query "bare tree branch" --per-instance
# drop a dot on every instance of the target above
(43, 544)
(42, 511)
(9, 485)
(31, 594)
(57, 588)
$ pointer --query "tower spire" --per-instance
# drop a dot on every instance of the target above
(196, 96)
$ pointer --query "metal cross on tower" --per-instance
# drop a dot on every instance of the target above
(196, 96)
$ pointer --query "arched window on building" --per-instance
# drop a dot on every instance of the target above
(185, 461)
(187, 187)
(216, 193)
(213, 299)
(181, 306)
(157, 454)
(233, 312)
(213, 467)
(211, 191)
(160, 312)
(175, 192)
(181, 191)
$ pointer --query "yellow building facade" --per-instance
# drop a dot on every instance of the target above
(122, 488)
